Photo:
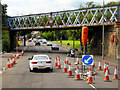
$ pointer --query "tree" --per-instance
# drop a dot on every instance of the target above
(90, 4)
(5, 30)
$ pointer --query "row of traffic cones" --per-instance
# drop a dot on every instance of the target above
(90, 79)
(106, 71)
(12, 60)
(57, 62)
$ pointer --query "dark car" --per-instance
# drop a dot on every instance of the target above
(37, 43)
(54, 47)
(72, 52)
(49, 43)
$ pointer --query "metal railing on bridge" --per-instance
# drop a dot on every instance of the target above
(66, 19)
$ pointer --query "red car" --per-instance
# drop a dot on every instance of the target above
(29, 40)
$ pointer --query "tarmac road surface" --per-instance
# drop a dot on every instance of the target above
(20, 77)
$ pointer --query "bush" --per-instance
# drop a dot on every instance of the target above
(6, 45)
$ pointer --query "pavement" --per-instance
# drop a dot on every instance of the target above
(22, 78)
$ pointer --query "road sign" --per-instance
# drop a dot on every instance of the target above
(87, 59)
(50, 21)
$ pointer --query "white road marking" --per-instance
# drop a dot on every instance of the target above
(93, 86)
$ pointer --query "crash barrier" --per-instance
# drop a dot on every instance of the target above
(12, 60)
(73, 70)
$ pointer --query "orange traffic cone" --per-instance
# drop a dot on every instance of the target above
(16, 55)
(67, 60)
(65, 67)
(115, 73)
(77, 74)
(11, 62)
(108, 68)
(93, 63)
(59, 58)
(69, 70)
(106, 79)
(13, 54)
(14, 62)
(59, 66)
(8, 63)
(56, 64)
(104, 67)
(77, 60)
(99, 66)
(90, 80)
(22, 52)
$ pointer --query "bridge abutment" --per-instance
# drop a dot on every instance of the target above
(12, 40)
(112, 50)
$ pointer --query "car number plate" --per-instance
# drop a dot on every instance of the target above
(41, 67)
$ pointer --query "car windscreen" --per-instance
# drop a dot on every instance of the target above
(49, 43)
(40, 58)
(55, 45)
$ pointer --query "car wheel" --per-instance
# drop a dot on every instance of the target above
(51, 70)
(30, 70)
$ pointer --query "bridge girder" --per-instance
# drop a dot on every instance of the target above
(65, 19)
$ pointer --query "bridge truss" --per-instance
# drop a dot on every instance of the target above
(66, 19)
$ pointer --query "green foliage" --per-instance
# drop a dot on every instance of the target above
(6, 45)
(90, 4)
(4, 16)
(73, 18)
(65, 18)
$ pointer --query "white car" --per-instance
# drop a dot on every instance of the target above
(34, 39)
(44, 41)
(40, 62)
(49, 43)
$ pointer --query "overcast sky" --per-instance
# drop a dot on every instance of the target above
(24, 7)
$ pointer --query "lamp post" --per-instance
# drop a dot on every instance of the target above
(103, 34)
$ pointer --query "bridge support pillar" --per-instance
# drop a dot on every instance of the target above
(12, 40)
(113, 50)
(117, 29)
(24, 40)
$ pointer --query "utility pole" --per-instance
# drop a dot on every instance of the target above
(73, 39)
(103, 34)
(54, 35)
(16, 42)
(61, 38)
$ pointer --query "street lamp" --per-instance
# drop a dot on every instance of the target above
(103, 34)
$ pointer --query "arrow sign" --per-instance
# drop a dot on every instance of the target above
(87, 59)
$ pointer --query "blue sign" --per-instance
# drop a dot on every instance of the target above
(87, 59)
